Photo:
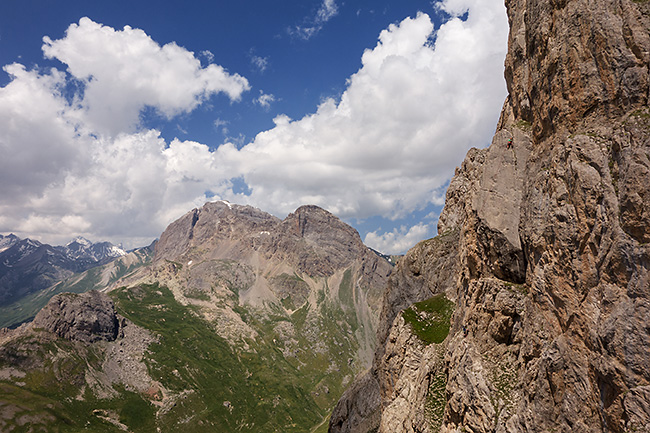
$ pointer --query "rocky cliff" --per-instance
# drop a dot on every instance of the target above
(550, 283)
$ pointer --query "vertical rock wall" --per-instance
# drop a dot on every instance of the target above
(552, 283)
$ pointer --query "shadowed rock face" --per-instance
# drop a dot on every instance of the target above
(552, 286)
(87, 317)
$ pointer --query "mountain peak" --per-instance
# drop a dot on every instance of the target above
(8, 241)
(80, 240)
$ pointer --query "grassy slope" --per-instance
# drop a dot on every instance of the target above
(45, 399)
(263, 389)
(249, 391)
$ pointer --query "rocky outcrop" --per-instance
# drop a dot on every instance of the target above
(552, 286)
(358, 409)
(88, 317)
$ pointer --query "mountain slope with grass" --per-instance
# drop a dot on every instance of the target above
(241, 322)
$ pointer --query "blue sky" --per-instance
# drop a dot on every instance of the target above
(118, 117)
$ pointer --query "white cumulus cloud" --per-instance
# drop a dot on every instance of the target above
(125, 71)
(80, 165)
(406, 119)
(398, 240)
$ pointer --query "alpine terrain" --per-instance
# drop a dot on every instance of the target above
(542, 259)
(32, 272)
(241, 322)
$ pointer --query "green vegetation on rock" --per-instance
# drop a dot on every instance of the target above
(436, 399)
(429, 319)
(276, 384)
(245, 391)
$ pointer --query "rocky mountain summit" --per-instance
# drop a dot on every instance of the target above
(543, 250)
(310, 242)
(8, 241)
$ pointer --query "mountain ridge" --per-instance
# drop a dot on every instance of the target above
(31, 272)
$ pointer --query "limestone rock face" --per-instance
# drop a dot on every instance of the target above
(87, 317)
(552, 282)
(572, 61)
(359, 407)
(311, 239)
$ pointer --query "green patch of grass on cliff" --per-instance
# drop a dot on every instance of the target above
(524, 125)
(436, 399)
(429, 319)
(521, 288)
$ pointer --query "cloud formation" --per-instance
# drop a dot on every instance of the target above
(79, 164)
(264, 100)
(386, 147)
(399, 239)
(408, 116)
(124, 71)
(260, 63)
(327, 10)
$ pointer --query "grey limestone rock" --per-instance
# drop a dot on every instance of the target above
(87, 317)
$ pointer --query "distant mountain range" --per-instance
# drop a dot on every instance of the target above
(82, 249)
(28, 267)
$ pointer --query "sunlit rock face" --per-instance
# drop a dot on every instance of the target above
(551, 283)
